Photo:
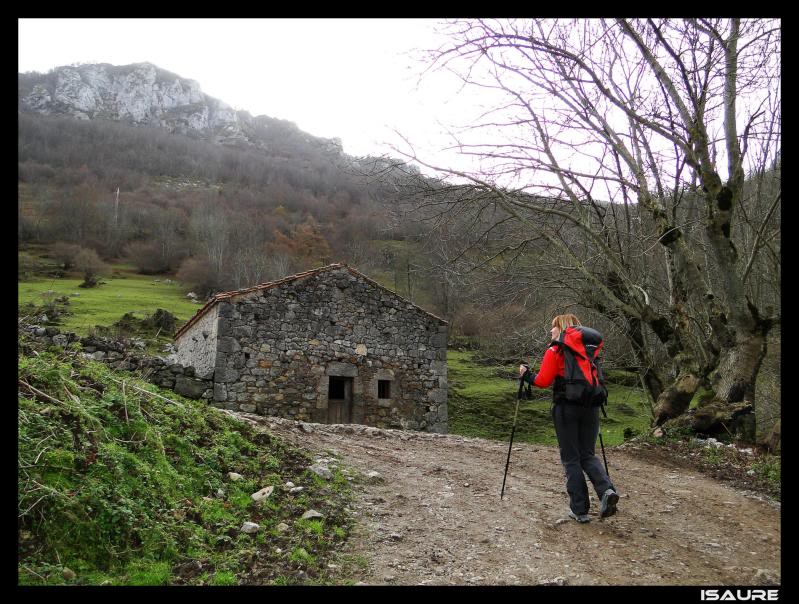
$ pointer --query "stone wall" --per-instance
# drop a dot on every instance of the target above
(127, 354)
(278, 348)
(197, 347)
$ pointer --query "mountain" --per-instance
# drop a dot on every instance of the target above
(145, 94)
(179, 159)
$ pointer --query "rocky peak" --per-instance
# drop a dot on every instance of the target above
(143, 94)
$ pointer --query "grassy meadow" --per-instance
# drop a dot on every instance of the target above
(122, 292)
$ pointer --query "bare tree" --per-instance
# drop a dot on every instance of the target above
(210, 230)
(279, 266)
(625, 148)
(76, 216)
(65, 253)
(171, 221)
(250, 266)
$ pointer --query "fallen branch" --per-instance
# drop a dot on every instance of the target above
(39, 392)
(75, 398)
(33, 572)
(34, 505)
(179, 404)
(35, 461)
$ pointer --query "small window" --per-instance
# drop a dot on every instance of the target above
(383, 388)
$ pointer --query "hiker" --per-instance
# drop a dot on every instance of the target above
(576, 427)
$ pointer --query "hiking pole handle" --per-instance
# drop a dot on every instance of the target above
(507, 463)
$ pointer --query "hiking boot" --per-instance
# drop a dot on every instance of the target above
(582, 518)
(607, 507)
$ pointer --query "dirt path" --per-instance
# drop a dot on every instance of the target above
(436, 517)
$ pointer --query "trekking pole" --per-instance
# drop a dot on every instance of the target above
(507, 463)
(601, 444)
(513, 430)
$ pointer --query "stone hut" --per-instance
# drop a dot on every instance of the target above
(328, 345)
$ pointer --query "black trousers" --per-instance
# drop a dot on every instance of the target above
(577, 428)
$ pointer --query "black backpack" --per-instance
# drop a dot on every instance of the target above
(583, 382)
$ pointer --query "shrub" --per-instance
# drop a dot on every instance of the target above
(89, 263)
(146, 256)
(65, 253)
(198, 274)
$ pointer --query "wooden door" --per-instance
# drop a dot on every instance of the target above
(339, 400)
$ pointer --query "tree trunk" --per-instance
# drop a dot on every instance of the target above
(733, 380)
(733, 384)
(674, 400)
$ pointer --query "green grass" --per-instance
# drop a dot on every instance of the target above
(104, 305)
(224, 578)
(481, 403)
(124, 488)
(769, 469)
(31, 264)
(712, 455)
(147, 573)
(301, 555)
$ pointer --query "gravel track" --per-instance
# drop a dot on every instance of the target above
(435, 517)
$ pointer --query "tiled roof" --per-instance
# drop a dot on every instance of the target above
(269, 285)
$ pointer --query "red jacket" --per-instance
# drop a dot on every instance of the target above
(552, 366)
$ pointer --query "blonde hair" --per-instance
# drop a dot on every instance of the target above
(564, 321)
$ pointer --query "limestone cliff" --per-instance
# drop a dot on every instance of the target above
(144, 94)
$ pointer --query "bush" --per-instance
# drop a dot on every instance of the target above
(147, 257)
(162, 320)
(198, 274)
(65, 253)
(89, 263)
(469, 324)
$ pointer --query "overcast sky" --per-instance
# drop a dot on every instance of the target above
(345, 78)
